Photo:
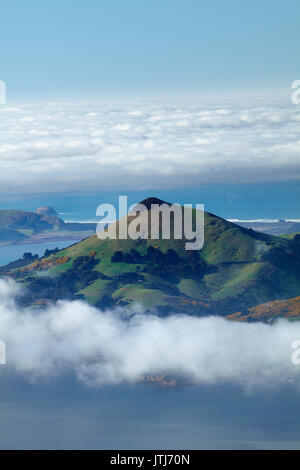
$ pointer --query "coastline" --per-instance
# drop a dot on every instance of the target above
(47, 238)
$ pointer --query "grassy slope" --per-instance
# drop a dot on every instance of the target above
(270, 311)
(238, 270)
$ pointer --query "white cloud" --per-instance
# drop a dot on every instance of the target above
(60, 147)
(123, 345)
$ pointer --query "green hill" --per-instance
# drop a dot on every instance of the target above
(237, 268)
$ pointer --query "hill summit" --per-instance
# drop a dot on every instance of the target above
(150, 201)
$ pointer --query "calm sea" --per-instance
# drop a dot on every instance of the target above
(63, 414)
(14, 252)
(232, 201)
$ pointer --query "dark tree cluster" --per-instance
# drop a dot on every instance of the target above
(129, 278)
(50, 252)
(65, 284)
(168, 266)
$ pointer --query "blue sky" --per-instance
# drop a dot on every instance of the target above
(86, 69)
(82, 49)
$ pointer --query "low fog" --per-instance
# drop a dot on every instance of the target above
(122, 345)
(162, 144)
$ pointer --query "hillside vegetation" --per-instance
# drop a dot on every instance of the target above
(237, 269)
(270, 311)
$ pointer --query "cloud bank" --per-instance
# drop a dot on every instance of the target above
(123, 345)
(64, 147)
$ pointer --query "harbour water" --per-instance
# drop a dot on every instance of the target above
(63, 414)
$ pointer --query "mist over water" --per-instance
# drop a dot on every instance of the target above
(72, 380)
(125, 344)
